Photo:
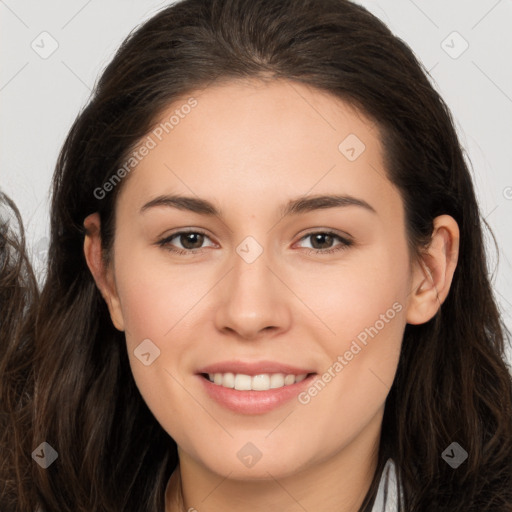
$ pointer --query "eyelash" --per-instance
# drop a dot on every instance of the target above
(345, 243)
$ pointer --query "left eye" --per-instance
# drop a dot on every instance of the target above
(323, 241)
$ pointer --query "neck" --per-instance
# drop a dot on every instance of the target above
(174, 493)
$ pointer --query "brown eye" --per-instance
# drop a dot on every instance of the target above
(325, 242)
(191, 240)
(185, 242)
(321, 240)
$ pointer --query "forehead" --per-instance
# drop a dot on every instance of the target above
(261, 139)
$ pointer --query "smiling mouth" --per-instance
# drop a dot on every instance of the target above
(260, 382)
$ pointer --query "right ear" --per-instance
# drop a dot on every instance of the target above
(103, 276)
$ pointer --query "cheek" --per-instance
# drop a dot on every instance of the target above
(356, 294)
(155, 295)
(157, 303)
(356, 380)
(162, 309)
(363, 305)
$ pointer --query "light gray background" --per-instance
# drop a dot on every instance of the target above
(40, 97)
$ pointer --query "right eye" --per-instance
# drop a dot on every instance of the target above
(191, 242)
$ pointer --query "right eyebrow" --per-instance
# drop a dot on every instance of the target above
(192, 204)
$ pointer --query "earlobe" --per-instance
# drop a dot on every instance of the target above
(103, 276)
(433, 273)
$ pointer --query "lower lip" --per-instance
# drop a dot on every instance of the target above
(254, 402)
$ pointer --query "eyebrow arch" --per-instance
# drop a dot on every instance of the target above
(191, 204)
(308, 204)
(293, 207)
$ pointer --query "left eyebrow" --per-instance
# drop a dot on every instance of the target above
(308, 204)
(293, 207)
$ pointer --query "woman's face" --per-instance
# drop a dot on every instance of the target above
(297, 264)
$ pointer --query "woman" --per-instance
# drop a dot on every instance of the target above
(199, 348)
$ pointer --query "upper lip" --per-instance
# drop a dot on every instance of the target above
(253, 368)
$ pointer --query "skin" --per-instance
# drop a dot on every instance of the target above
(250, 147)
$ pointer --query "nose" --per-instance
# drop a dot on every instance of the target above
(252, 301)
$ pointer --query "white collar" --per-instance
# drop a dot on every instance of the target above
(387, 493)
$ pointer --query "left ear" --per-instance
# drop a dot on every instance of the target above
(432, 275)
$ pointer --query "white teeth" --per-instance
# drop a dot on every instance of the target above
(262, 382)
(289, 379)
(242, 382)
(227, 380)
(276, 380)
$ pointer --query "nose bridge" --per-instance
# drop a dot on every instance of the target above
(252, 299)
(251, 281)
(251, 274)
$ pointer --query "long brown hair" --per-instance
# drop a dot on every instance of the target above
(452, 382)
(18, 303)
